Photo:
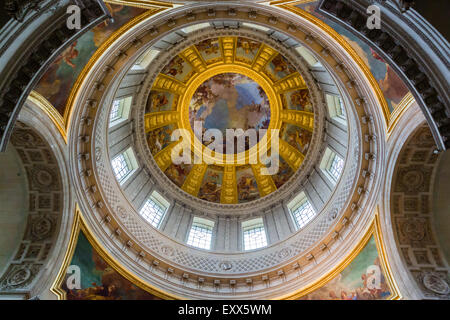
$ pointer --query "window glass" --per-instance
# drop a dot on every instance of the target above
(336, 108)
(115, 111)
(124, 164)
(119, 110)
(336, 167)
(200, 235)
(303, 214)
(121, 166)
(254, 234)
(154, 209)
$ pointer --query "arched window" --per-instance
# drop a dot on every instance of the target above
(308, 56)
(196, 27)
(255, 26)
(145, 59)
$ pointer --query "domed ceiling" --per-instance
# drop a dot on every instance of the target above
(229, 83)
(238, 78)
(290, 80)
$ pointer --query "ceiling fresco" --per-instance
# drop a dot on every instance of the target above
(229, 83)
(393, 88)
(230, 100)
(60, 78)
(362, 279)
(99, 280)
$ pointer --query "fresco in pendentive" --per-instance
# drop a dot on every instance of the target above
(178, 68)
(246, 50)
(230, 101)
(178, 173)
(394, 89)
(283, 174)
(279, 67)
(246, 184)
(210, 50)
(159, 138)
(297, 137)
(297, 100)
(212, 184)
(58, 80)
(160, 101)
(362, 279)
(99, 281)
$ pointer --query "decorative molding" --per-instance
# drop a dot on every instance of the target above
(100, 51)
(419, 55)
(411, 199)
(339, 67)
(19, 9)
(45, 210)
(259, 205)
(402, 107)
(146, 4)
(26, 68)
(46, 107)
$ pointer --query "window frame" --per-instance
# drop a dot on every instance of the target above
(117, 109)
(123, 110)
(301, 200)
(130, 162)
(328, 161)
(199, 225)
(249, 227)
(308, 56)
(336, 108)
(255, 26)
(333, 170)
(162, 204)
(196, 27)
(145, 59)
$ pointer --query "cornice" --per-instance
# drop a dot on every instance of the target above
(50, 111)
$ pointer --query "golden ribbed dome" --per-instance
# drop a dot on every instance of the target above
(229, 83)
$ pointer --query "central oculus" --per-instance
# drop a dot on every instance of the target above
(229, 101)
